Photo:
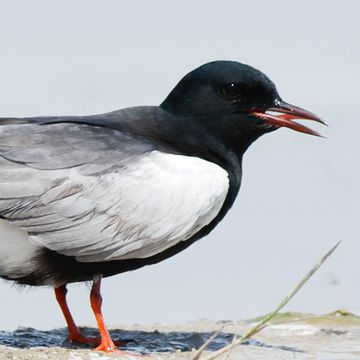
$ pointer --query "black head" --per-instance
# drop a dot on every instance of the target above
(221, 87)
(231, 100)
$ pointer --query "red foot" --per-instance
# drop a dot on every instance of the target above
(109, 346)
(106, 344)
(113, 349)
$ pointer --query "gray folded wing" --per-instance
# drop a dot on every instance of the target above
(100, 194)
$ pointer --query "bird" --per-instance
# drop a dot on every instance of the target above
(87, 197)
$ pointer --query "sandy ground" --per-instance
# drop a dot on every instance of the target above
(335, 336)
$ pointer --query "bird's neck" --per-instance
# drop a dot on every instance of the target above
(224, 133)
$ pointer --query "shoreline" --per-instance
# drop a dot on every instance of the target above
(333, 336)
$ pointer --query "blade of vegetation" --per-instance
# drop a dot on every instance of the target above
(228, 354)
(207, 343)
(262, 323)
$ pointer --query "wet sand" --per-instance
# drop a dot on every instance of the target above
(334, 336)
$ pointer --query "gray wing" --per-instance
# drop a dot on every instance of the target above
(46, 171)
(100, 194)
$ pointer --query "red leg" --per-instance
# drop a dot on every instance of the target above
(96, 301)
(74, 333)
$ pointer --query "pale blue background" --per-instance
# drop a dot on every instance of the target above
(300, 194)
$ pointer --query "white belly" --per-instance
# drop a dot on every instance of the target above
(16, 252)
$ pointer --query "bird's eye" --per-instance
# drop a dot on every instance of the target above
(233, 90)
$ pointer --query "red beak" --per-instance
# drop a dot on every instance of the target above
(288, 113)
